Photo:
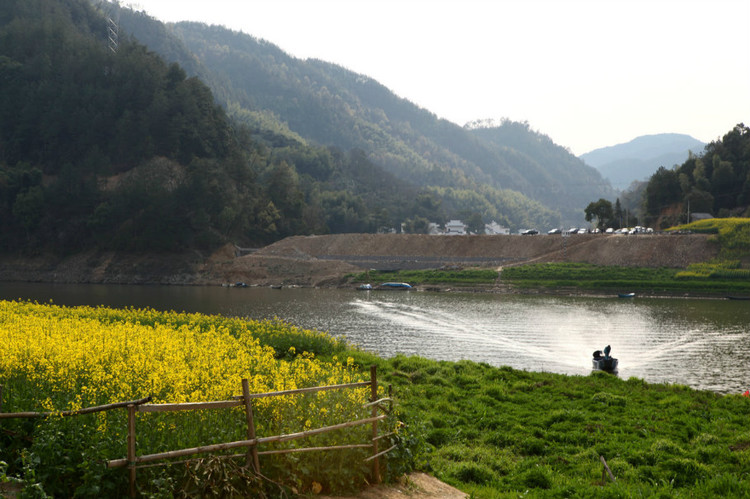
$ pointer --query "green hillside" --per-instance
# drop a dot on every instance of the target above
(327, 104)
(115, 148)
(119, 150)
(716, 182)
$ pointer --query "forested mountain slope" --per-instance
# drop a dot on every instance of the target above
(329, 105)
(716, 182)
(112, 148)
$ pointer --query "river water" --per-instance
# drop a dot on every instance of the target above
(704, 344)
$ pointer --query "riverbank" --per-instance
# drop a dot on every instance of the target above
(317, 261)
(489, 431)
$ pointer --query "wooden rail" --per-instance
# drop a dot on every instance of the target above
(606, 472)
(133, 461)
(79, 412)
(147, 458)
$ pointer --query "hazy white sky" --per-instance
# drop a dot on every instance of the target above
(587, 73)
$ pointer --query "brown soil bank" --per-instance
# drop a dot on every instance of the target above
(383, 251)
(324, 260)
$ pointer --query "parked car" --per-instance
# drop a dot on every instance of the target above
(554, 231)
(530, 232)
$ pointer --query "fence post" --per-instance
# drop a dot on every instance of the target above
(606, 471)
(373, 398)
(131, 448)
(252, 452)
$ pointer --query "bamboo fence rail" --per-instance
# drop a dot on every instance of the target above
(86, 410)
(133, 461)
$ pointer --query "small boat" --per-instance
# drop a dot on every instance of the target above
(731, 297)
(604, 362)
(395, 286)
(364, 287)
(626, 295)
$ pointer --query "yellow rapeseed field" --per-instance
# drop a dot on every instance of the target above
(55, 359)
(73, 357)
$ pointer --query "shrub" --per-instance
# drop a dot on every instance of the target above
(440, 436)
(609, 399)
(538, 477)
(473, 473)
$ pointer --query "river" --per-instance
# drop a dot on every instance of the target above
(704, 344)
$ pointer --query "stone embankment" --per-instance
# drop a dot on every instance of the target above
(324, 260)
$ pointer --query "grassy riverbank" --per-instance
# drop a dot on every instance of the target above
(726, 275)
(711, 278)
(461, 277)
(492, 432)
(500, 432)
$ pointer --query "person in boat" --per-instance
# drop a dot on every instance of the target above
(607, 349)
(598, 355)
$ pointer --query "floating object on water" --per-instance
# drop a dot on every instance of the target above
(394, 285)
(626, 295)
(604, 362)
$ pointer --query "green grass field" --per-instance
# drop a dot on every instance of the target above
(492, 432)
(500, 432)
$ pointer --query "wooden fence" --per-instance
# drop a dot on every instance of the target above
(133, 462)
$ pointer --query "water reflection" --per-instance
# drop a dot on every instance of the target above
(701, 343)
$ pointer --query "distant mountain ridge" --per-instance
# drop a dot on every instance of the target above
(639, 158)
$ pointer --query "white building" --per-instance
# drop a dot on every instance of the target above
(494, 228)
(455, 228)
(433, 229)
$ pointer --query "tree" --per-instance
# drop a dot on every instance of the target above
(28, 208)
(602, 211)
(724, 186)
(417, 225)
(618, 213)
(474, 223)
(662, 191)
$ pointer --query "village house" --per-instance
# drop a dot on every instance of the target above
(455, 228)
(493, 228)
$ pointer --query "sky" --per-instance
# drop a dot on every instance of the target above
(586, 73)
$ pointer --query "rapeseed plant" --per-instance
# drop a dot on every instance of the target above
(61, 358)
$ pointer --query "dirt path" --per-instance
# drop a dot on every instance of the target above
(415, 486)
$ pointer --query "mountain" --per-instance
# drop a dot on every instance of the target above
(214, 137)
(322, 103)
(641, 157)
